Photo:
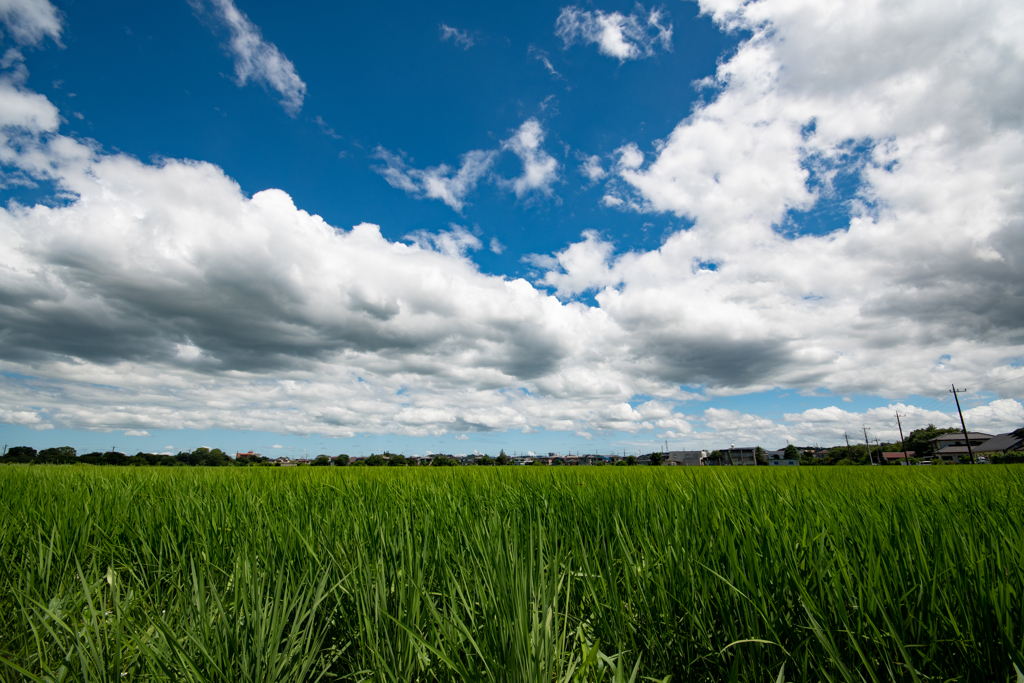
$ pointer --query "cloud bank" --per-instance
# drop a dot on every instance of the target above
(159, 295)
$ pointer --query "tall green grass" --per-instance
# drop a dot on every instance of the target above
(511, 574)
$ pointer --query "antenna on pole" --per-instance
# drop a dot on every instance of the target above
(903, 441)
(967, 438)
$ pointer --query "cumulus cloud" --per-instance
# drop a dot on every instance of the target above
(460, 38)
(442, 182)
(540, 169)
(255, 58)
(928, 264)
(617, 35)
(30, 21)
(592, 169)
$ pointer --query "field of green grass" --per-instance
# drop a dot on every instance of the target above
(511, 574)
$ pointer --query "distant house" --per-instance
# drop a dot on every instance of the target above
(686, 458)
(738, 456)
(246, 456)
(1003, 443)
(949, 447)
(897, 457)
(780, 458)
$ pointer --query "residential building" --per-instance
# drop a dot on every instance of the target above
(780, 458)
(1003, 443)
(738, 456)
(897, 457)
(686, 458)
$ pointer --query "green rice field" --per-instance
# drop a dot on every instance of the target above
(511, 574)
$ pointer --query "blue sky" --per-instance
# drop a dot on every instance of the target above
(597, 226)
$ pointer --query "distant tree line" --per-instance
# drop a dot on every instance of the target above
(918, 442)
(66, 455)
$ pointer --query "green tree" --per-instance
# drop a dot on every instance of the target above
(759, 456)
(792, 452)
(503, 459)
(484, 460)
(321, 460)
(918, 441)
(631, 460)
(341, 460)
(115, 458)
(20, 454)
(375, 460)
(398, 461)
(657, 459)
(62, 455)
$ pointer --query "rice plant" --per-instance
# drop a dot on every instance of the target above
(511, 574)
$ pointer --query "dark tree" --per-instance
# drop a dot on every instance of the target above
(376, 460)
(20, 454)
(341, 460)
(321, 461)
(62, 455)
(503, 459)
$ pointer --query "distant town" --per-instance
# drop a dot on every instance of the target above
(928, 446)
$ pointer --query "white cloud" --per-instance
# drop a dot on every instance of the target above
(326, 129)
(496, 246)
(460, 38)
(442, 182)
(136, 432)
(924, 266)
(259, 60)
(461, 437)
(623, 37)
(30, 21)
(456, 241)
(277, 446)
(540, 169)
(542, 57)
(592, 169)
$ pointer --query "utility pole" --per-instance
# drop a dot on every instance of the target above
(871, 458)
(967, 438)
(903, 441)
(847, 444)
